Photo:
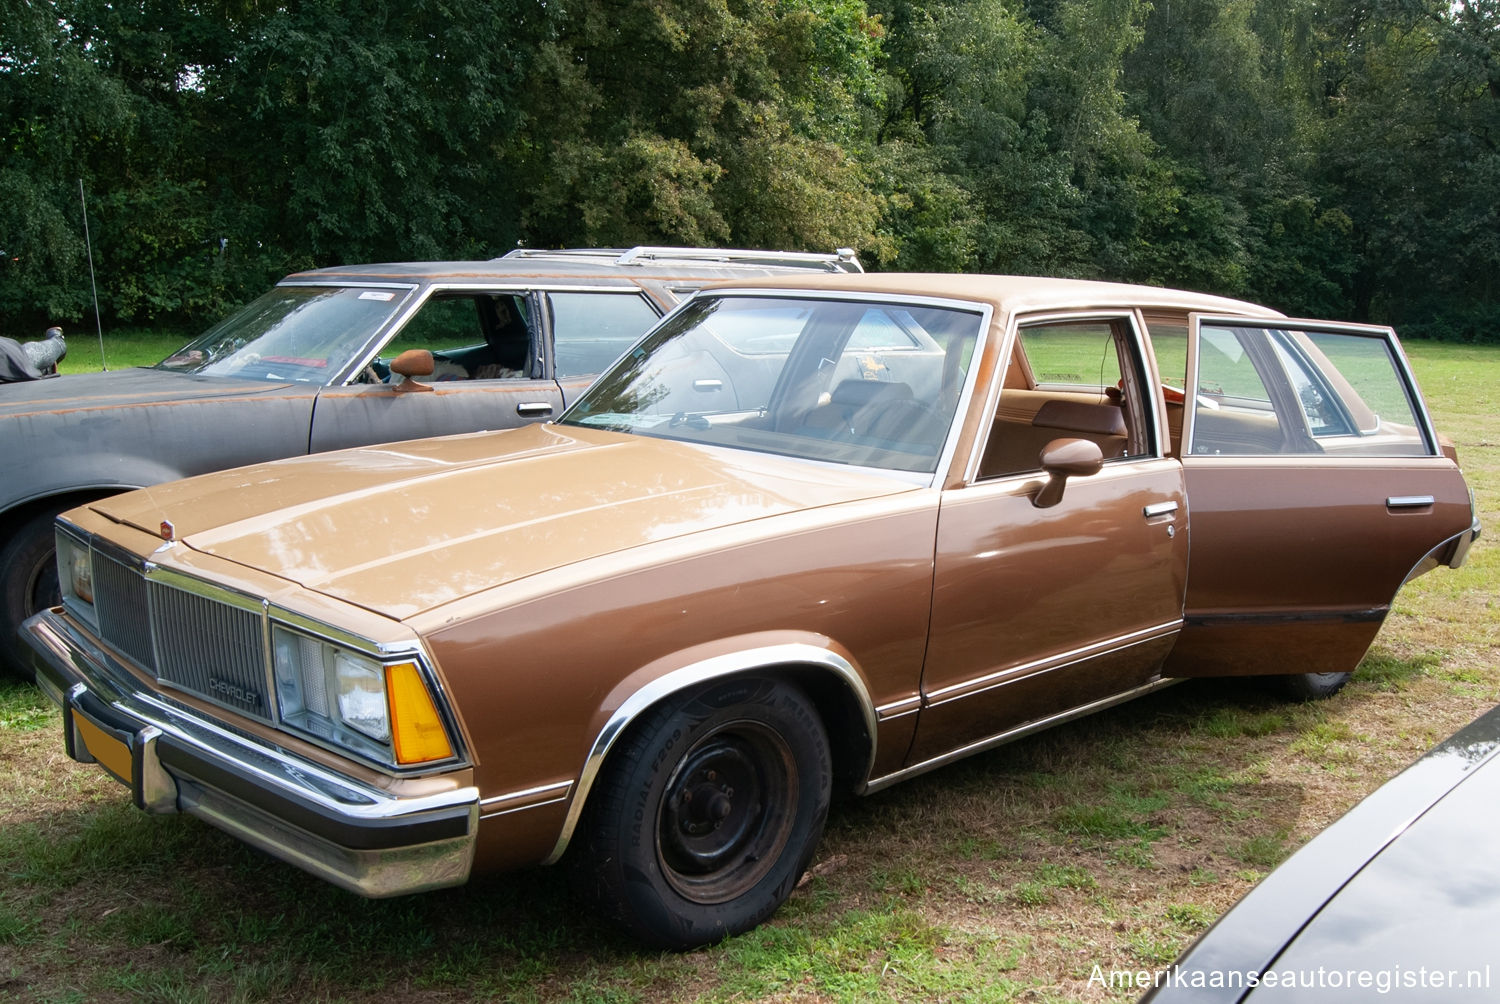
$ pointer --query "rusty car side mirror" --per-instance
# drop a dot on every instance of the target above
(1063, 459)
(410, 364)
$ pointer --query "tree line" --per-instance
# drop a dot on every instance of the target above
(1336, 158)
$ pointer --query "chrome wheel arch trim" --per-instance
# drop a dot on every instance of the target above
(772, 657)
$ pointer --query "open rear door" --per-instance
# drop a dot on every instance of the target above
(1316, 487)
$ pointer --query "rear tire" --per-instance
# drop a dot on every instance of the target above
(28, 584)
(708, 812)
(1309, 686)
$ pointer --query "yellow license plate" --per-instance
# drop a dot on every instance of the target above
(109, 751)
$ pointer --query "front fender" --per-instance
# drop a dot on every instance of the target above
(85, 474)
(693, 667)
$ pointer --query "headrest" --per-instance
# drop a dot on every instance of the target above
(1075, 416)
(857, 393)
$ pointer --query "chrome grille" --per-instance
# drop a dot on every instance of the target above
(195, 643)
(211, 649)
(124, 620)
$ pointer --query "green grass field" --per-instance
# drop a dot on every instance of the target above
(1108, 842)
(122, 349)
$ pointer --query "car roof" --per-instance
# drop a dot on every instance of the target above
(1015, 293)
(692, 265)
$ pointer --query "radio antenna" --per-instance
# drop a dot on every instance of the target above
(89, 244)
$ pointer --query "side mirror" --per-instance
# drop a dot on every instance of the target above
(410, 364)
(1063, 459)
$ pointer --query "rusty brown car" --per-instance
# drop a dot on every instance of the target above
(807, 537)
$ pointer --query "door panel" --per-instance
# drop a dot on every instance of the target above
(1036, 611)
(1316, 488)
(1040, 610)
(363, 414)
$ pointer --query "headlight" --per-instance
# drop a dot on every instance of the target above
(75, 574)
(346, 697)
(360, 686)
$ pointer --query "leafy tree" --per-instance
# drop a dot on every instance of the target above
(1408, 142)
(701, 121)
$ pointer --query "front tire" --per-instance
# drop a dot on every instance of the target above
(708, 812)
(28, 584)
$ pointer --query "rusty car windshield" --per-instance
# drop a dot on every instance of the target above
(299, 334)
(871, 383)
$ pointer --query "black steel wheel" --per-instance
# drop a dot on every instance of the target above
(708, 812)
(28, 584)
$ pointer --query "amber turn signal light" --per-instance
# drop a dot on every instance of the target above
(417, 731)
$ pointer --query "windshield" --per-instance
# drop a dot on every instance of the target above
(869, 383)
(303, 334)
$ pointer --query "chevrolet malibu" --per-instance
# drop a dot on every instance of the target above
(806, 537)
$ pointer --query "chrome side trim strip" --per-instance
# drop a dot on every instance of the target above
(516, 796)
(969, 688)
(733, 664)
(1011, 735)
(520, 801)
(899, 709)
(496, 814)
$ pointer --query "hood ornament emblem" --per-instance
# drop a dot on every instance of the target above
(168, 531)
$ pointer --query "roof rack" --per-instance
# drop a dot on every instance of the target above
(842, 260)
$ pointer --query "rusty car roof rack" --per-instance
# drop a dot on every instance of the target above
(842, 260)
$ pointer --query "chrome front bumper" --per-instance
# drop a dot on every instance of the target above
(173, 759)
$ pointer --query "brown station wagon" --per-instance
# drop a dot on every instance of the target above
(807, 537)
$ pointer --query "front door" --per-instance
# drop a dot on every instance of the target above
(1317, 487)
(487, 349)
(1039, 610)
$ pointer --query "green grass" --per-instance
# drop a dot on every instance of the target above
(122, 349)
(24, 709)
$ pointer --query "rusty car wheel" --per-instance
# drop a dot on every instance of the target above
(710, 812)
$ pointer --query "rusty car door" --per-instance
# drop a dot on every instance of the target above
(360, 415)
(1317, 487)
(491, 373)
(574, 333)
(1041, 610)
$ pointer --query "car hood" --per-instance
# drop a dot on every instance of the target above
(120, 389)
(1405, 884)
(1429, 901)
(403, 528)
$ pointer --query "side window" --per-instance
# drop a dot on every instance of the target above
(592, 330)
(472, 336)
(1078, 380)
(1264, 391)
(1073, 357)
(1169, 340)
(891, 344)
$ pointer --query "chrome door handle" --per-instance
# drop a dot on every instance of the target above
(1409, 501)
(530, 409)
(1159, 509)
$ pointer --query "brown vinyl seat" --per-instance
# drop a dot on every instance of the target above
(1014, 448)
